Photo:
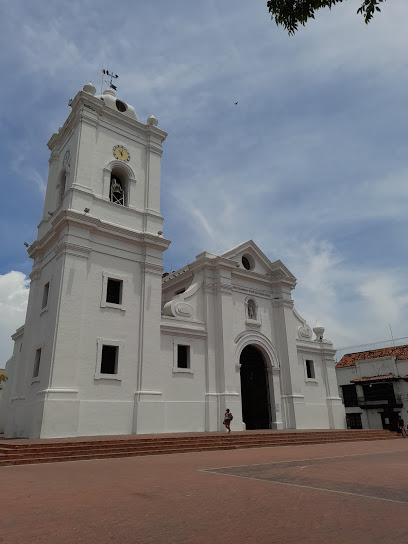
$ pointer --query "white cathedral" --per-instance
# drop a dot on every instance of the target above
(111, 345)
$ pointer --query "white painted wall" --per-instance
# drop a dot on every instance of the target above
(371, 419)
(77, 250)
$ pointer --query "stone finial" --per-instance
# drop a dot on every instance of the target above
(319, 331)
(152, 121)
(89, 88)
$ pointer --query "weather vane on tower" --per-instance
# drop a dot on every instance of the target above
(112, 76)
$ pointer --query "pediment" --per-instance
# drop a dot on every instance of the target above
(248, 253)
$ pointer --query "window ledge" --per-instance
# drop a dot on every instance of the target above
(35, 380)
(311, 380)
(43, 310)
(253, 322)
(112, 305)
(116, 377)
(183, 371)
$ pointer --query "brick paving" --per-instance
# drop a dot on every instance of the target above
(312, 494)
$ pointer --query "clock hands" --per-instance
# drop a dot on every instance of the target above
(121, 153)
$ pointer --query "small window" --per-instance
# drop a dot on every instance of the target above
(310, 372)
(349, 395)
(109, 361)
(121, 106)
(245, 263)
(45, 295)
(37, 363)
(114, 291)
(354, 421)
(183, 356)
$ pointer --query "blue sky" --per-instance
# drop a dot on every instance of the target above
(311, 164)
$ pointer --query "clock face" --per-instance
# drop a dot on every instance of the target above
(121, 153)
(66, 158)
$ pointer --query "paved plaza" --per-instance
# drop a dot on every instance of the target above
(330, 493)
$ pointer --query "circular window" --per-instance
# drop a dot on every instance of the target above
(246, 262)
(121, 105)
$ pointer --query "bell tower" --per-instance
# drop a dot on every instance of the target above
(93, 316)
(102, 155)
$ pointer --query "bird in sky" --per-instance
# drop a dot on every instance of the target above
(235, 103)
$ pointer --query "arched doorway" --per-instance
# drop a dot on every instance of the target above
(255, 396)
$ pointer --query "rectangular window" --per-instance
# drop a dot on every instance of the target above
(109, 361)
(354, 421)
(45, 295)
(349, 395)
(37, 361)
(114, 291)
(183, 356)
(310, 373)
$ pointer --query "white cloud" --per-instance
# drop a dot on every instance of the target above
(14, 289)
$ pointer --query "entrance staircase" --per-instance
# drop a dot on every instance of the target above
(25, 451)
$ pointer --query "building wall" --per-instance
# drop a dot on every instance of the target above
(227, 305)
(371, 418)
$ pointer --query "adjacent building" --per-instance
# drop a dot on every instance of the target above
(374, 387)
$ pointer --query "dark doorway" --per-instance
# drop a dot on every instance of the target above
(254, 389)
(389, 420)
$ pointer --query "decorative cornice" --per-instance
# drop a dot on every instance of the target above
(153, 269)
(252, 291)
(155, 149)
(176, 274)
(67, 248)
(57, 391)
(19, 332)
(92, 110)
(35, 275)
(71, 217)
(222, 288)
(282, 303)
(311, 346)
(182, 330)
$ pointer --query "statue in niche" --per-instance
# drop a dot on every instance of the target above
(117, 195)
(251, 309)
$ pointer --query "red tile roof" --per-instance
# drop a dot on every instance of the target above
(399, 352)
(376, 378)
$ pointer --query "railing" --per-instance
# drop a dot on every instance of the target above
(375, 402)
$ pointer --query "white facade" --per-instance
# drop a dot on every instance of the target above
(374, 389)
(111, 347)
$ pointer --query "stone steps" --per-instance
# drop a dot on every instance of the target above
(46, 451)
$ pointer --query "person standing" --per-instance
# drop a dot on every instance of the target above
(228, 417)
(401, 427)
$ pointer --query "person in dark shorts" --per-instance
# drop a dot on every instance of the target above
(401, 427)
(228, 417)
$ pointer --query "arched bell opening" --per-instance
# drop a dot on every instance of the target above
(255, 393)
(61, 187)
(118, 189)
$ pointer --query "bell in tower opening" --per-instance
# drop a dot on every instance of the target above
(117, 195)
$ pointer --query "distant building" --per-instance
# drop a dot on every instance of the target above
(374, 387)
(110, 346)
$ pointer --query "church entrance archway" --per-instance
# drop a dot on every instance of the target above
(255, 397)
